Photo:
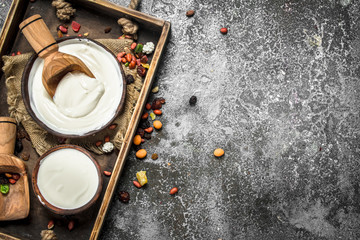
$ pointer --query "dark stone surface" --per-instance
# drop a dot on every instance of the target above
(279, 93)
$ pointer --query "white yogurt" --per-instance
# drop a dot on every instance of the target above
(67, 178)
(79, 106)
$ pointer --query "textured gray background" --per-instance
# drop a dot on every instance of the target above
(279, 93)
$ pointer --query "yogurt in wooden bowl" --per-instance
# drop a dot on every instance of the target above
(81, 105)
(67, 179)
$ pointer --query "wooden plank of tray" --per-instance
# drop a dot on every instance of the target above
(17, 12)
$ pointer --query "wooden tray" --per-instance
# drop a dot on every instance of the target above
(94, 16)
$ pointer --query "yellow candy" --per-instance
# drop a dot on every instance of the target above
(141, 177)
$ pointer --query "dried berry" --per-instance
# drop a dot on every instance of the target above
(21, 133)
(154, 156)
(132, 64)
(75, 26)
(107, 139)
(128, 57)
(137, 184)
(156, 104)
(224, 30)
(145, 116)
(124, 196)
(71, 225)
(141, 177)
(141, 71)
(8, 175)
(107, 173)
(129, 79)
(144, 124)
(218, 152)
(25, 156)
(174, 190)
(193, 100)
(63, 29)
(144, 59)
(107, 29)
(148, 106)
(3, 179)
(157, 112)
(16, 176)
(98, 143)
(147, 136)
(59, 34)
(12, 54)
(190, 13)
(160, 99)
(148, 130)
(112, 126)
(12, 181)
(140, 132)
(18, 146)
(133, 46)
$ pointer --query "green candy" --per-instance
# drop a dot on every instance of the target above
(4, 188)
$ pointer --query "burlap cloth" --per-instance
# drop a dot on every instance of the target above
(40, 138)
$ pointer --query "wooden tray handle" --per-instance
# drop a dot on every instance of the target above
(38, 35)
(7, 135)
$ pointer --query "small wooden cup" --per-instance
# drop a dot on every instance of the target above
(48, 205)
(16, 204)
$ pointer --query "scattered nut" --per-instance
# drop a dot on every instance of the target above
(141, 153)
(108, 147)
(149, 130)
(124, 196)
(157, 124)
(8, 175)
(190, 13)
(107, 139)
(107, 173)
(59, 34)
(86, 34)
(107, 29)
(48, 235)
(219, 152)
(155, 89)
(173, 190)
(148, 106)
(98, 143)
(25, 156)
(50, 224)
(137, 140)
(154, 156)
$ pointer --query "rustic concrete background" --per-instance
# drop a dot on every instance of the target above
(279, 93)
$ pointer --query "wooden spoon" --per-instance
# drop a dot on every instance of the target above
(56, 64)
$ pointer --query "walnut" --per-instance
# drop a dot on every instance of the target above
(48, 235)
(64, 10)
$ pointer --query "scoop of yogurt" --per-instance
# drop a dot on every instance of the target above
(78, 94)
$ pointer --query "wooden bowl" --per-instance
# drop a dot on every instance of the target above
(56, 209)
(26, 96)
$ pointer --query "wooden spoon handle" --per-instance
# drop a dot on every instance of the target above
(38, 35)
(7, 135)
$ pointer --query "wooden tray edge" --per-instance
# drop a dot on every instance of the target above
(120, 162)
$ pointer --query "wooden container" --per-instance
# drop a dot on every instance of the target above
(16, 204)
(43, 200)
(94, 17)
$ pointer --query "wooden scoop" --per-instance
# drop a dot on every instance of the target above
(56, 64)
(16, 204)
